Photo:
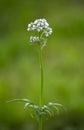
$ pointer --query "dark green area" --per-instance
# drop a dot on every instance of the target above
(63, 62)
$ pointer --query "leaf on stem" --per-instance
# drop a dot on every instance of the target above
(22, 100)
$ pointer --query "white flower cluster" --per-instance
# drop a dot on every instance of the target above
(48, 31)
(34, 39)
(39, 25)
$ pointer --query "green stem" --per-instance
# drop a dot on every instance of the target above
(41, 94)
(40, 123)
(41, 68)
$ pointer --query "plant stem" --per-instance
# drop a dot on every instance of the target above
(41, 94)
(40, 123)
(41, 68)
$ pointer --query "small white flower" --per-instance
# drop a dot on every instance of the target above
(48, 31)
(30, 26)
(34, 39)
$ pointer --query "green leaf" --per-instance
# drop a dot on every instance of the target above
(37, 112)
(55, 106)
(57, 109)
(48, 110)
(50, 104)
(22, 100)
(48, 113)
(58, 104)
(26, 105)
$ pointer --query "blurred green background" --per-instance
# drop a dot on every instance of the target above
(63, 62)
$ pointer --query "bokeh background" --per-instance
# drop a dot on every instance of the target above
(63, 62)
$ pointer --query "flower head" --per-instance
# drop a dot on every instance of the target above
(48, 31)
(34, 39)
(39, 25)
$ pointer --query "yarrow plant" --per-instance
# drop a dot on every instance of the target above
(41, 111)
